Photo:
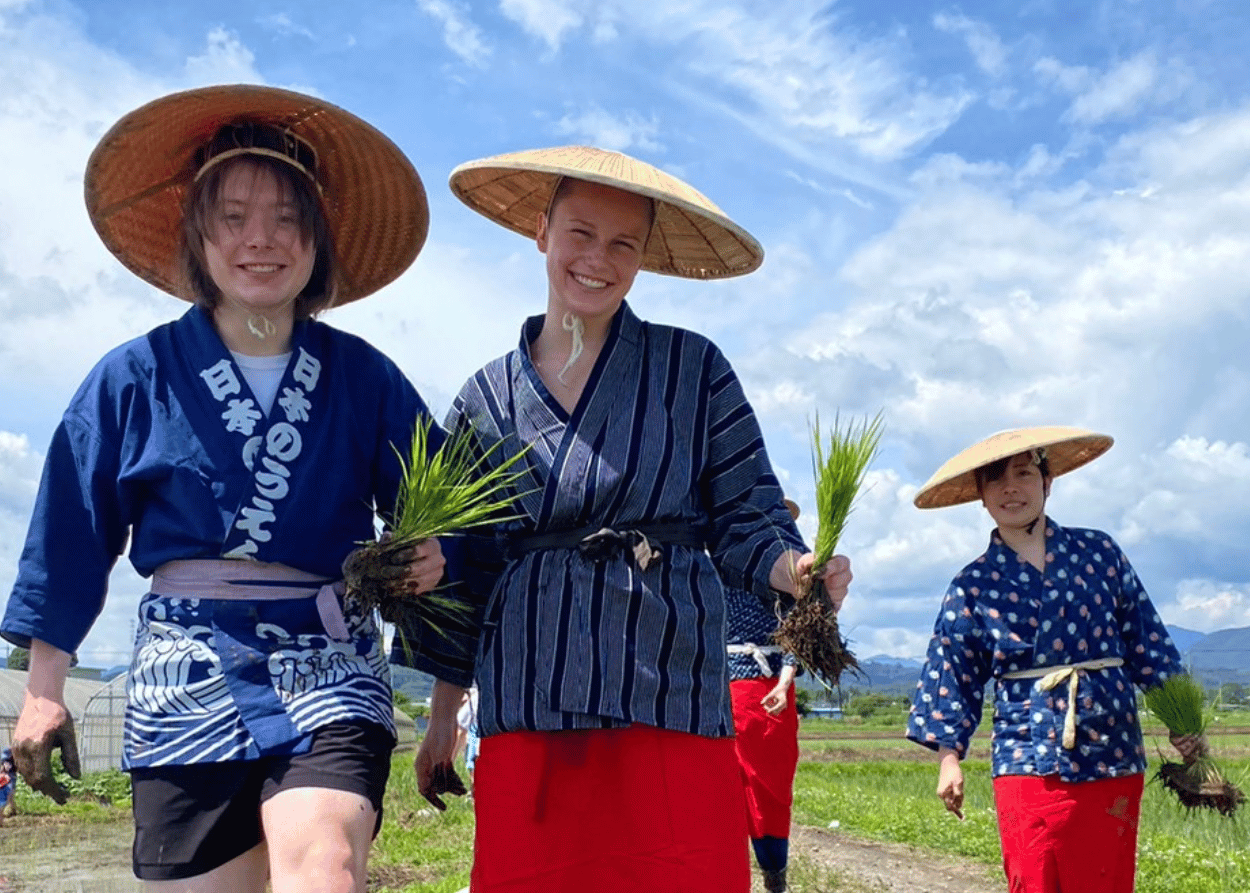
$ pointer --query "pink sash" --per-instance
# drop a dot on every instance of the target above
(231, 579)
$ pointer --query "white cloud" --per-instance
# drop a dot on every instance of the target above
(225, 60)
(548, 20)
(797, 66)
(1119, 92)
(283, 24)
(622, 132)
(986, 47)
(1068, 78)
(1208, 605)
(459, 33)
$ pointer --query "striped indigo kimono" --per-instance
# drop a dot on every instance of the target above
(662, 433)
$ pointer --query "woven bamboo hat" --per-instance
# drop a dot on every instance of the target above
(138, 175)
(692, 237)
(1064, 448)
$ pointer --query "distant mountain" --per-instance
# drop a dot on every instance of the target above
(1222, 656)
(414, 684)
(881, 673)
(1184, 639)
(913, 662)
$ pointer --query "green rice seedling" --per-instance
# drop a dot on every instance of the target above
(810, 629)
(1198, 782)
(442, 492)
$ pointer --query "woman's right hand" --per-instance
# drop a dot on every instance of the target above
(1190, 747)
(45, 724)
(433, 765)
(950, 786)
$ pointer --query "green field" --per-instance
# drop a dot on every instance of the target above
(869, 781)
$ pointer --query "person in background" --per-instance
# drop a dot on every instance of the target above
(466, 719)
(8, 785)
(766, 723)
(243, 451)
(1058, 619)
(607, 758)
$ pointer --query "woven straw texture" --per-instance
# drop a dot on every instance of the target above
(137, 177)
(692, 237)
(1066, 448)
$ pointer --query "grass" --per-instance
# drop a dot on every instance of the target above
(879, 788)
(894, 801)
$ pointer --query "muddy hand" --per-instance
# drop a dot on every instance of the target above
(1190, 747)
(443, 780)
(33, 757)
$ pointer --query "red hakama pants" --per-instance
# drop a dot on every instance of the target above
(768, 753)
(609, 810)
(1068, 837)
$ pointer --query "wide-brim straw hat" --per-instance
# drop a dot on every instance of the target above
(138, 175)
(1065, 448)
(691, 237)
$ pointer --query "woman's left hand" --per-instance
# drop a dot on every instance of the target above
(775, 701)
(425, 566)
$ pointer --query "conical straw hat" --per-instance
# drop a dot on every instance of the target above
(1066, 449)
(691, 237)
(138, 175)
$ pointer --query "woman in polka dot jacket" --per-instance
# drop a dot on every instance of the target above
(1058, 619)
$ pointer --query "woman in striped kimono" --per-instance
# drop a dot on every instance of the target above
(607, 761)
(243, 451)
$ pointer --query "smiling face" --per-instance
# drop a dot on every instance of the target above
(255, 247)
(1016, 497)
(594, 237)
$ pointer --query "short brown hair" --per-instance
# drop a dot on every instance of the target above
(202, 202)
(989, 473)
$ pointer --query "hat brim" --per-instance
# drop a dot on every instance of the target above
(1066, 449)
(691, 238)
(137, 178)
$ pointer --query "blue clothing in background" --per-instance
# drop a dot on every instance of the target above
(752, 621)
(165, 444)
(1002, 615)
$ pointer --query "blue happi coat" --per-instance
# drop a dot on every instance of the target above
(1003, 615)
(662, 433)
(164, 443)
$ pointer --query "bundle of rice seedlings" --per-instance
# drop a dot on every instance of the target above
(1180, 704)
(810, 630)
(442, 492)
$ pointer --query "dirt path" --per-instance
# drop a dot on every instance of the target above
(41, 855)
(891, 868)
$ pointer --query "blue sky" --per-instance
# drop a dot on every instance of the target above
(975, 218)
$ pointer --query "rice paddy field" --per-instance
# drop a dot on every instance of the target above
(877, 787)
(870, 823)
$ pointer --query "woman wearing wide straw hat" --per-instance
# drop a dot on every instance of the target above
(243, 450)
(606, 759)
(1058, 619)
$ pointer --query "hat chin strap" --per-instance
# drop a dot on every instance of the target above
(259, 325)
(577, 327)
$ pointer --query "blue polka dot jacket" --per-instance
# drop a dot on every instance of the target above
(1002, 615)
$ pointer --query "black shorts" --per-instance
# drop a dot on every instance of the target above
(192, 819)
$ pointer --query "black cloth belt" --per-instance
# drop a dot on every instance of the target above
(602, 543)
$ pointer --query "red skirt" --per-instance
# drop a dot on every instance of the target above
(609, 810)
(768, 753)
(1071, 837)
